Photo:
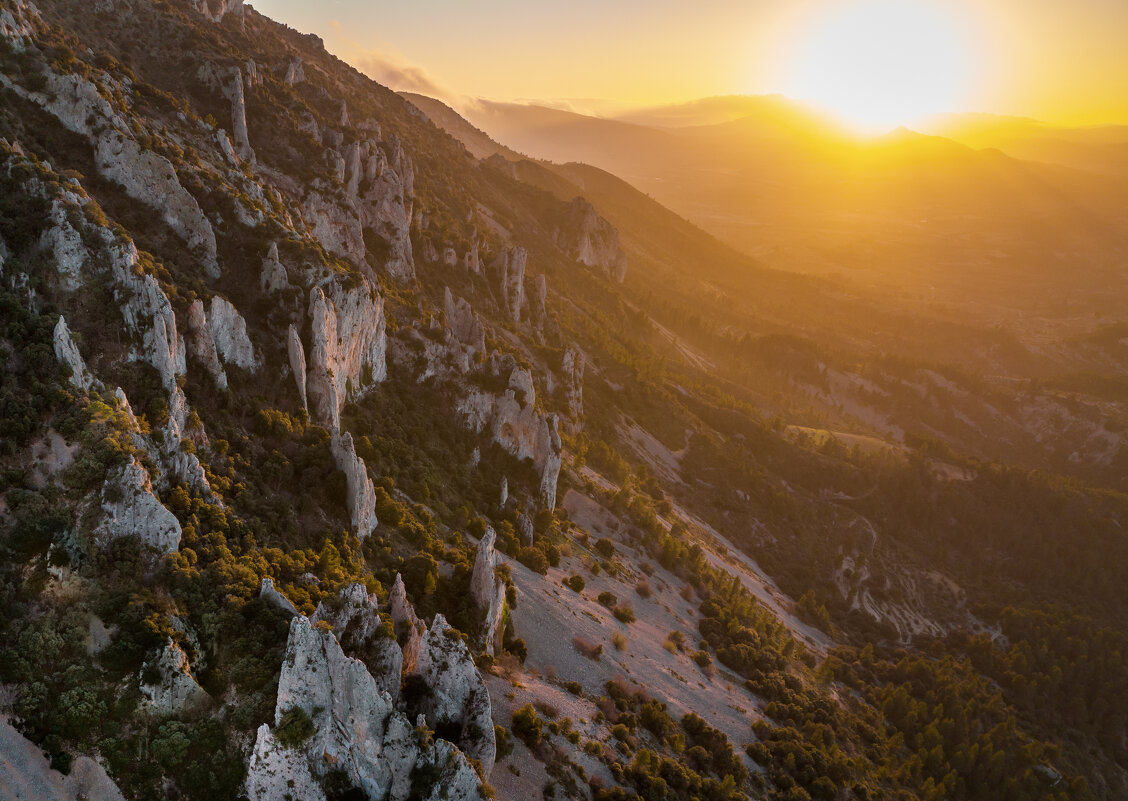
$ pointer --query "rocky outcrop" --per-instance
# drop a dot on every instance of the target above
(463, 323)
(148, 315)
(336, 225)
(216, 10)
(355, 618)
(592, 241)
(145, 176)
(358, 732)
(232, 86)
(387, 205)
(229, 332)
(573, 370)
(295, 72)
(360, 491)
(348, 346)
(132, 510)
(65, 245)
(69, 357)
(507, 273)
(176, 691)
(201, 346)
(409, 629)
(514, 423)
(272, 596)
(297, 361)
(273, 277)
(488, 591)
(537, 314)
(458, 700)
(471, 260)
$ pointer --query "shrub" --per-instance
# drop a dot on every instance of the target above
(619, 641)
(527, 725)
(605, 548)
(534, 559)
(575, 583)
(624, 614)
(294, 728)
(608, 599)
(643, 589)
(587, 648)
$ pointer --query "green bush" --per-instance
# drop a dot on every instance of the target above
(294, 728)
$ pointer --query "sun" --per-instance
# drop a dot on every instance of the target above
(878, 64)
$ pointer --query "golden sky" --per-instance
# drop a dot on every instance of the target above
(1063, 61)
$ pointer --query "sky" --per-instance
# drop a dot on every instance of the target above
(1062, 61)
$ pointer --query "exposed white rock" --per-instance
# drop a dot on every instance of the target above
(236, 95)
(573, 370)
(67, 354)
(216, 10)
(176, 691)
(348, 346)
(471, 261)
(517, 426)
(148, 314)
(361, 491)
(450, 257)
(408, 627)
(458, 695)
(504, 495)
(132, 510)
(272, 596)
(525, 528)
(592, 241)
(337, 225)
(273, 278)
(387, 206)
(297, 361)
(508, 274)
(295, 73)
(488, 591)
(463, 323)
(355, 618)
(277, 772)
(17, 24)
(229, 331)
(201, 345)
(65, 244)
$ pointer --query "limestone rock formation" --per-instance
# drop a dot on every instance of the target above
(507, 273)
(273, 278)
(176, 690)
(361, 491)
(488, 591)
(272, 596)
(573, 370)
(132, 510)
(592, 241)
(458, 697)
(216, 10)
(229, 332)
(409, 629)
(295, 73)
(347, 347)
(297, 361)
(463, 323)
(148, 314)
(358, 732)
(471, 260)
(201, 345)
(537, 313)
(234, 91)
(355, 618)
(515, 424)
(67, 354)
(65, 244)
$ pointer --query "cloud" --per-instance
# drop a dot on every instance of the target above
(398, 76)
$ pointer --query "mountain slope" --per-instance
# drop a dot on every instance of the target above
(338, 463)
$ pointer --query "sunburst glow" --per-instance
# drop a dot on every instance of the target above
(880, 63)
